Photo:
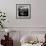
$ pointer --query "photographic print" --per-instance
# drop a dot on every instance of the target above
(23, 11)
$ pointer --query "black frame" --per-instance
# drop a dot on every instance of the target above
(28, 7)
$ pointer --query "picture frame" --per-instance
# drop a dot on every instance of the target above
(23, 11)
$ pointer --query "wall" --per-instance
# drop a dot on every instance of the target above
(38, 13)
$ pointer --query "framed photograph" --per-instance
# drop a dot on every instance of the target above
(23, 11)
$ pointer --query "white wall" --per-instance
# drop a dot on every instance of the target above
(38, 13)
(38, 16)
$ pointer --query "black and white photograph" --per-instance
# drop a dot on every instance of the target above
(23, 11)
